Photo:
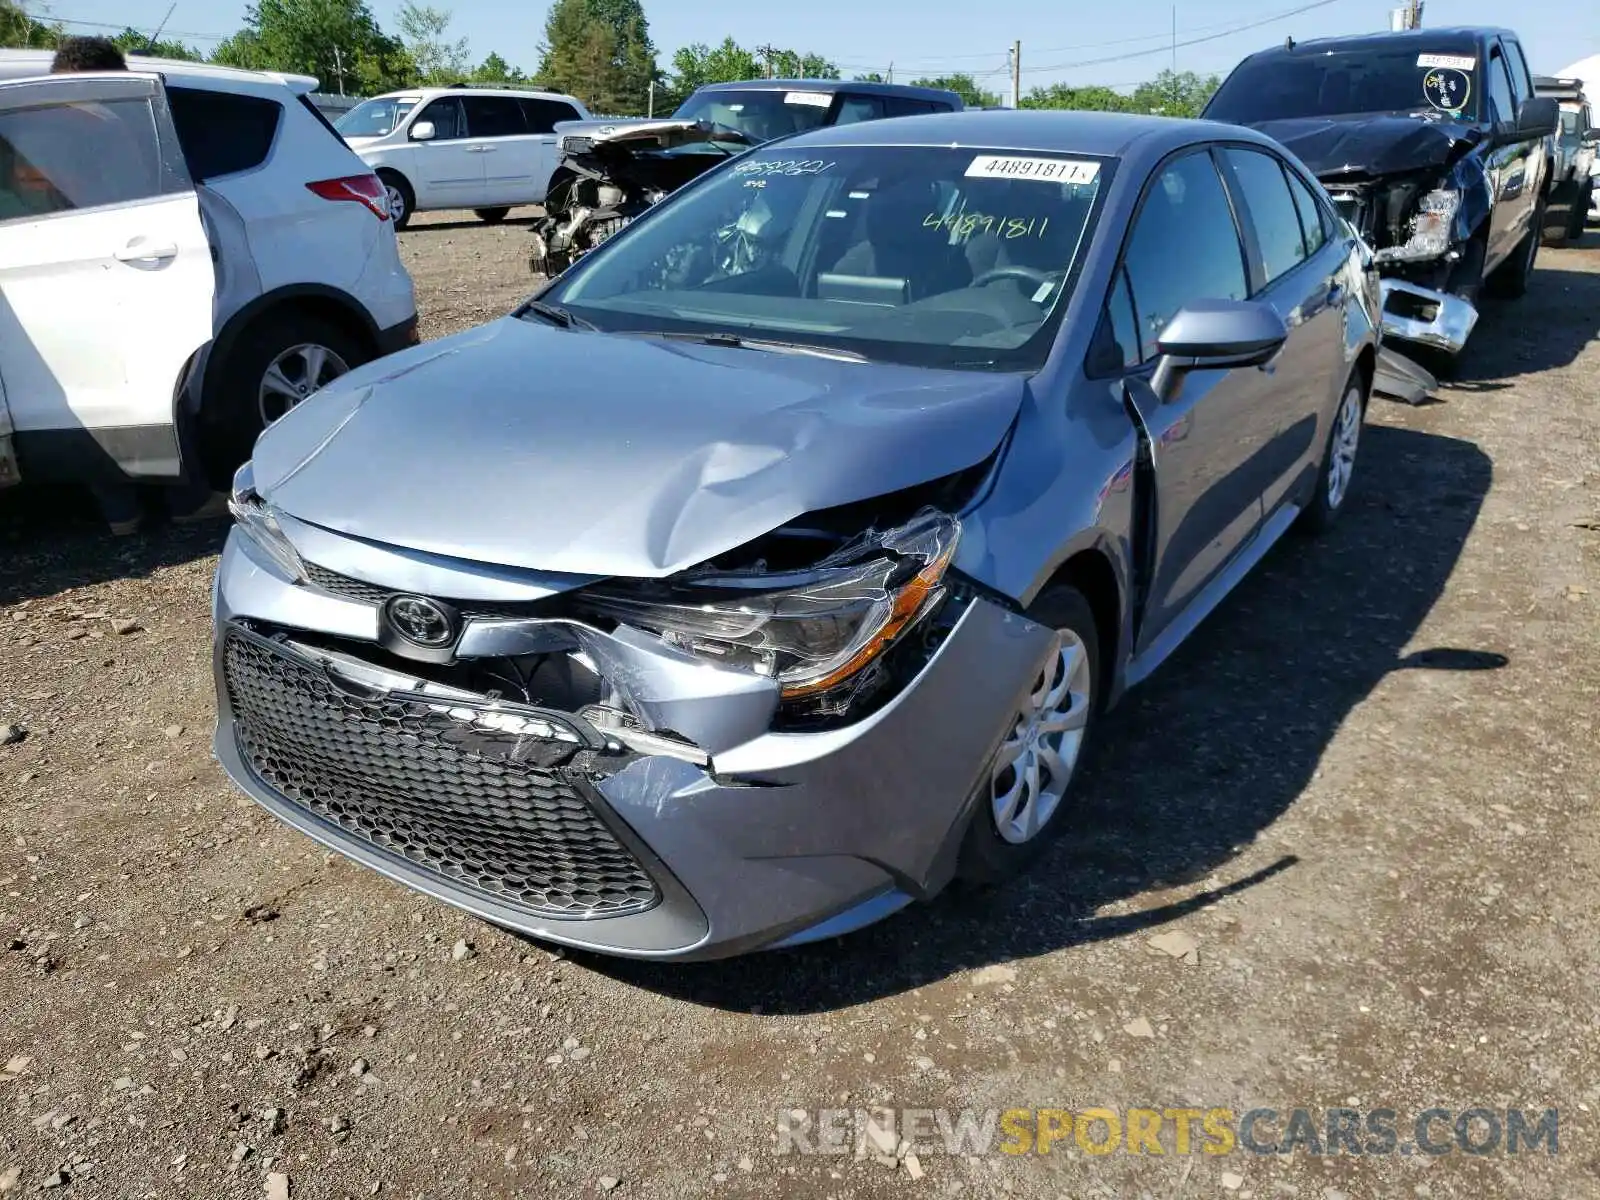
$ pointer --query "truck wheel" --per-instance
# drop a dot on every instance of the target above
(1580, 211)
(491, 216)
(1510, 278)
(1025, 797)
(272, 367)
(402, 200)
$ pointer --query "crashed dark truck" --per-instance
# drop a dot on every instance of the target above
(1432, 144)
(613, 170)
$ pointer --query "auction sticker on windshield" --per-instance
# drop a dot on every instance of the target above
(1446, 89)
(1044, 170)
(1450, 62)
(814, 99)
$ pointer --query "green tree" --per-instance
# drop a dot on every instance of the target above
(19, 29)
(600, 51)
(423, 30)
(699, 64)
(963, 85)
(338, 41)
(788, 64)
(869, 77)
(134, 42)
(495, 69)
(1174, 94)
(1063, 95)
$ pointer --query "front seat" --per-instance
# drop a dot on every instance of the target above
(896, 245)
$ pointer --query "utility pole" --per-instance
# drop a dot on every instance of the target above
(150, 46)
(338, 65)
(1174, 39)
(650, 110)
(767, 53)
(890, 77)
(1016, 74)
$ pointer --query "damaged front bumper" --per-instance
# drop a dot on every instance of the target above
(612, 831)
(1414, 313)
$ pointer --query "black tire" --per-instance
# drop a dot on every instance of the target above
(231, 418)
(1323, 510)
(986, 857)
(1511, 278)
(1579, 217)
(1556, 228)
(402, 200)
(491, 216)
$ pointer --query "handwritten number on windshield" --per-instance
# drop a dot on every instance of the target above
(783, 166)
(964, 224)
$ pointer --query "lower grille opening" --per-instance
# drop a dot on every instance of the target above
(490, 799)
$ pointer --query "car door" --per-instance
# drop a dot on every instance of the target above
(541, 116)
(512, 156)
(447, 169)
(1296, 271)
(1185, 245)
(10, 473)
(1509, 163)
(106, 275)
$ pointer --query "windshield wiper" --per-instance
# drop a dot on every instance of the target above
(555, 314)
(739, 342)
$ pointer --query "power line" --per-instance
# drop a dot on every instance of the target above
(177, 33)
(1175, 45)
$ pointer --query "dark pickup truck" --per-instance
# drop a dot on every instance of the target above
(1431, 143)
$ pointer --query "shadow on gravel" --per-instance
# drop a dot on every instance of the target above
(1547, 328)
(52, 539)
(1192, 766)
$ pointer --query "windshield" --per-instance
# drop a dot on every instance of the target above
(375, 118)
(940, 257)
(759, 115)
(1392, 79)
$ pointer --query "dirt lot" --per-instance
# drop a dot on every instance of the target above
(1365, 793)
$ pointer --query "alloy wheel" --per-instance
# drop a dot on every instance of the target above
(1036, 762)
(397, 202)
(295, 374)
(1342, 452)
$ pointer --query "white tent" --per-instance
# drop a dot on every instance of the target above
(1587, 70)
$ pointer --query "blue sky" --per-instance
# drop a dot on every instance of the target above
(941, 36)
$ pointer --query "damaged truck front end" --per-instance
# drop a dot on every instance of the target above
(1425, 230)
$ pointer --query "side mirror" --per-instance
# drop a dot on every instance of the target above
(1209, 335)
(423, 131)
(1538, 117)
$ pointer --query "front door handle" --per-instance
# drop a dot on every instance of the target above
(142, 250)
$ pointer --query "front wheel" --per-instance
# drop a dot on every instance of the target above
(274, 366)
(1024, 801)
(1338, 465)
(491, 216)
(1511, 278)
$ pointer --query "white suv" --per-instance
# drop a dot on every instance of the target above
(486, 149)
(181, 247)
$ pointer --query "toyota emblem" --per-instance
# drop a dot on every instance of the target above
(421, 621)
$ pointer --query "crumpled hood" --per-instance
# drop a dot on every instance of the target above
(1370, 143)
(655, 131)
(526, 445)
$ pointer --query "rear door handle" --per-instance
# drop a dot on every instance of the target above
(140, 250)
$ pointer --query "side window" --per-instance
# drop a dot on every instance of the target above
(493, 116)
(448, 122)
(1122, 320)
(60, 157)
(1271, 210)
(858, 108)
(221, 133)
(902, 106)
(1313, 221)
(1505, 108)
(1185, 219)
(1521, 81)
(542, 115)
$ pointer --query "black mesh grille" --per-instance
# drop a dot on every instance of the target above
(371, 593)
(441, 792)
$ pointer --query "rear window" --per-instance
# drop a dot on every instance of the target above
(221, 133)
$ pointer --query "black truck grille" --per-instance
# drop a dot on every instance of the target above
(426, 782)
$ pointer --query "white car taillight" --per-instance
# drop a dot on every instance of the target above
(362, 189)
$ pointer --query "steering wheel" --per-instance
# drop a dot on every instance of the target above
(1021, 274)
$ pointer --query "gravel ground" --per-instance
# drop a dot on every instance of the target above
(1356, 812)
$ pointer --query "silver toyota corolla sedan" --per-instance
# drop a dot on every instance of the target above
(770, 569)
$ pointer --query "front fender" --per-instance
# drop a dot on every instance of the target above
(1468, 177)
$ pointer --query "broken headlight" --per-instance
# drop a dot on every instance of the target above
(1430, 228)
(255, 520)
(812, 630)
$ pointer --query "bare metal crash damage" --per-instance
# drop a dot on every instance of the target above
(611, 171)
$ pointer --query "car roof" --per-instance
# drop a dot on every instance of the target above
(15, 64)
(473, 90)
(1451, 37)
(863, 88)
(1046, 131)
